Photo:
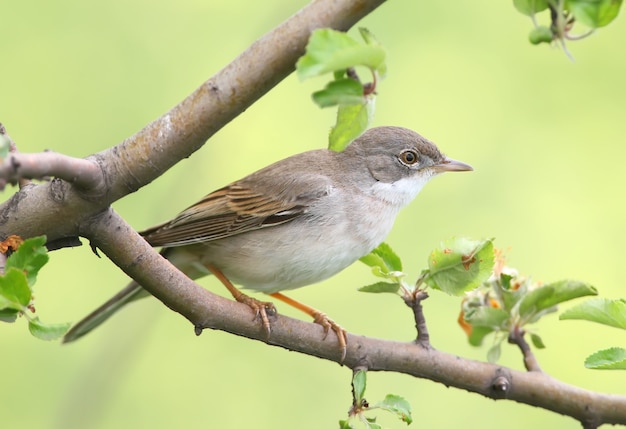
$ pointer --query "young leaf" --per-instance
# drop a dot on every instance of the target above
(8, 315)
(370, 39)
(330, 50)
(5, 146)
(384, 257)
(494, 318)
(493, 355)
(398, 406)
(345, 424)
(47, 331)
(340, 91)
(352, 121)
(478, 334)
(537, 341)
(15, 293)
(381, 287)
(460, 264)
(613, 358)
(552, 294)
(530, 7)
(359, 382)
(375, 261)
(611, 312)
(541, 34)
(594, 13)
(29, 257)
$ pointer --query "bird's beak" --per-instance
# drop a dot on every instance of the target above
(452, 165)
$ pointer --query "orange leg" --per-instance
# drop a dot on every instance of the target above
(320, 318)
(261, 308)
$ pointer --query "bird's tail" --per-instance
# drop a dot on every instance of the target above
(184, 260)
(130, 293)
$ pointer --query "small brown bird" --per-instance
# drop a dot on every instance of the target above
(296, 222)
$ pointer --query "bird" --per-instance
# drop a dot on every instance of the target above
(294, 223)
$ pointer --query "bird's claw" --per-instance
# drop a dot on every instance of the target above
(262, 310)
(328, 324)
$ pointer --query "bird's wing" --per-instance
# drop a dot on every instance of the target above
(235, 209)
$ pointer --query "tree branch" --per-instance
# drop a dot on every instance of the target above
(530, 361)
(61, 209)
(206, 310)
(82, 173)
(414, 299)
(56, 208)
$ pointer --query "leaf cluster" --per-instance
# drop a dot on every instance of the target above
(361, 411)
(508, 302)
(497, 300)
(331, 51)
(16, 286)
(457, 265)
(564, 14)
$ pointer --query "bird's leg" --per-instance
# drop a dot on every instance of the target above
(319, 318)
(261, 308)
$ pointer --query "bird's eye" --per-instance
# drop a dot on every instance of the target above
(409, 157)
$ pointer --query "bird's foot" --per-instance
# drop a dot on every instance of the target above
(328, 324)
(262, 310)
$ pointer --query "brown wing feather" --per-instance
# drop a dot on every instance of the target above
(234, 209)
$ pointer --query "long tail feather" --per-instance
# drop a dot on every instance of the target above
(130, 293)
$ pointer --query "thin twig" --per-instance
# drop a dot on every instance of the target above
(414, 301)
(83, 173)
(516, 336)
(13, 149)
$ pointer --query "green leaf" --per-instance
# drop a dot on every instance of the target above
(537, 341)
(540, 34)
(478, 334)
(370, 39)
(613, 358)
(8, 315)
(47, 331)
(493, 355)
(15, 293)
(29, 257)
(359, 382)
(341, 91)
(611, 312)
(594, 13)
(345, 424)
(494, 318)
(5, 146)
(552, 294)
(330, 50)
(530, 7)
(398, 406)
(460, 264)
(375, 261)
(381, 287)
(384, 257)
(352, 121)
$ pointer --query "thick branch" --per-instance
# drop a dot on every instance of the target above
(205, 310)
(56, 209)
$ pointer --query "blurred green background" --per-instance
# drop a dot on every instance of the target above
(544, 135)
